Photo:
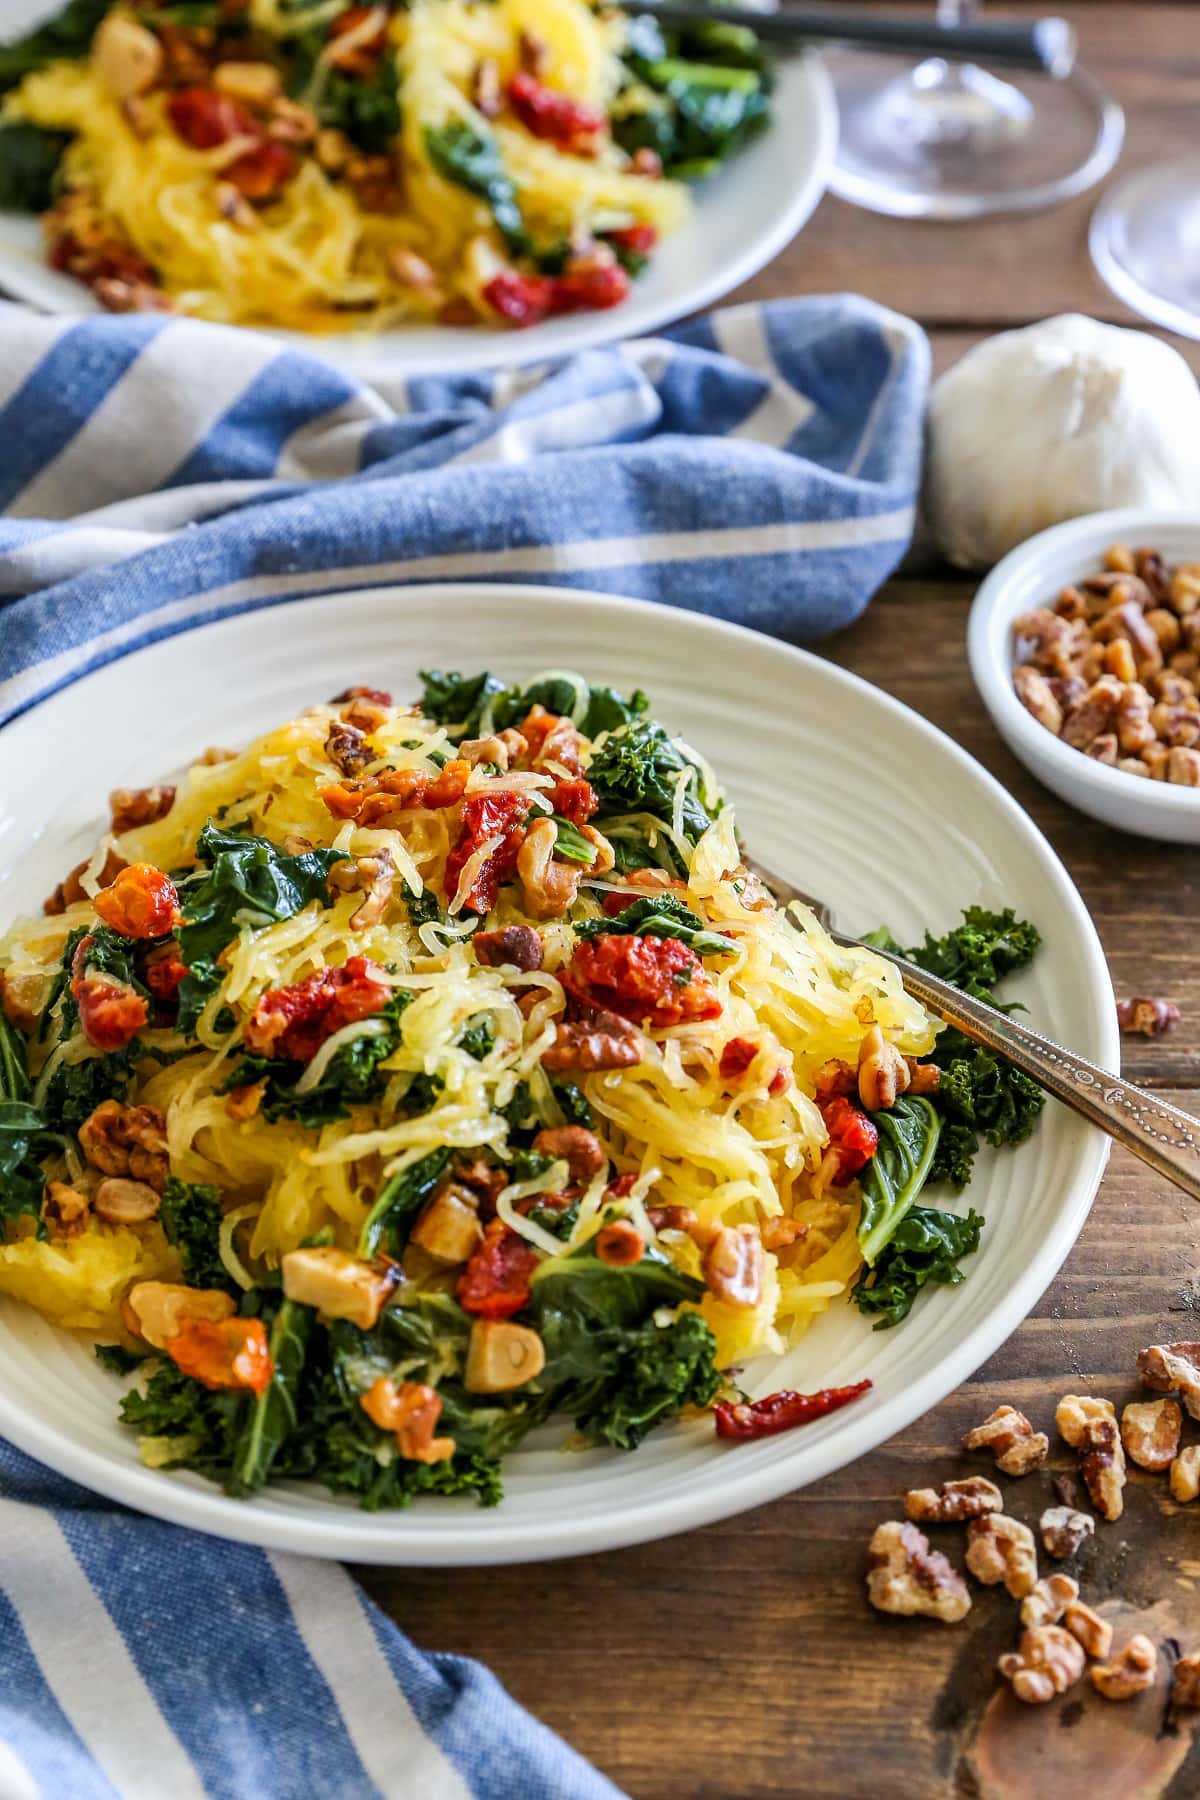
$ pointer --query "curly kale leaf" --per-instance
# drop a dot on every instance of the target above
(459, 701)
(29, 159)
(183, 1424)
(273, 1417)
(117, 1359)
(574, 1104)
(979, 1094)
(655, 1371)
(661, 916)
(925, 1247)
(470, 158)
(190, 1215)
(714, 84)
(398, 1202)
(249, 881)
(637, 769)
(75, 1090)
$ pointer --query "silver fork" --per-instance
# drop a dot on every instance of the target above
(1164, 1137)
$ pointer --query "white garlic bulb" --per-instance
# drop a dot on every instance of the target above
(1061, 418)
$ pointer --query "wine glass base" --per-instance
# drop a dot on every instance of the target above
(1145, 243)
(951, 141)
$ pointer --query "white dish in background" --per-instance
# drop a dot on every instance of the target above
(835, 784)
(1034, 575)
(741, 219)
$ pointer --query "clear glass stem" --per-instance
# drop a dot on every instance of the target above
(956, 12)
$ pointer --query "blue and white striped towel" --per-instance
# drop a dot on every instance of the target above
(760, 465)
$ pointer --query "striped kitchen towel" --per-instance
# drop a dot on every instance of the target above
(155, 473)
(139, 1661)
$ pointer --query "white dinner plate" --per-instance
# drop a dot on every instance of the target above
(835, 784)
(741, 219)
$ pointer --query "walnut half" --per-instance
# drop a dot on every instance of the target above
(1130, 1672)
(954, 1501)
(1150, 1433)
(1064, 1529)
(1173, 1369)
(1049, 1600)
(905, 1576)
(1002, 1549)
(1185, 1688)
(1047, 1661)
(1017, 1447)
(1090, 1426)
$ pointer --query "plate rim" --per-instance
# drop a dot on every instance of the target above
(341, 1533)
(361, 355)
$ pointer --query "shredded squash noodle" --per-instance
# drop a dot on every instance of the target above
(329, 167)
(463, 1021)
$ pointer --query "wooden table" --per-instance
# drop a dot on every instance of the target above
(742, 1660)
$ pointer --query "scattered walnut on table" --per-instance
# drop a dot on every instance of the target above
(1146, 1016)
(905, 1576)
(1048, 1600)
(1150, 1433)
(1185, 1687)
(1185, 1475)
(1017, 1447)
(1002, 1549)
(1047, 1661)
(1093, 1632)
(954, 1501)
(1064, 1529)
(1090, 1426)
(1173, 1369)
(1130, 1672)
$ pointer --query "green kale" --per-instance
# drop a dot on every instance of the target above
(248, 881)
(22, 1181)
(924, 1247)
(460, 701)
(470, 158)
(189, 1426)
(190, 1215)
(979, 1093)
(352, 1078)
(714, 88)
(68, 34)
(273, 1416)
(423, 908)
(574, 1104)
(117, 1359)
(29, 159)
(519, 1113)
(75, 1090)
(661, 1369)
(398, 1202)
(571, 845)
(899, 1169)
(365, 107)
(478, 1036)
(638, 768)
(662, 916)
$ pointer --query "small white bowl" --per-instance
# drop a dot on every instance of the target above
(1034, 575)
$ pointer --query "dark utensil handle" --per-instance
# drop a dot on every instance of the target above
(1044, 44)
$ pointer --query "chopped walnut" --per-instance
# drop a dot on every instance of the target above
(580, 1148)
(1049, 1600)
(954, 1501)
(1150, 1433)
(70, 889)
(1185, 1688)
(1146, 1016)
(21, 999)
(734, 1265)
(374, 876)
(244, 1102)
(1017, 1447)
(600, 1040)
(1130, 1672)
(1037, 696)
(1064, 1529)
(134, 807)
(1090, 1426)
(1093, 1632)
(127, 1140)
(1047, 1662)
(65, 1209)
(1183, 767)
(1185, 1475)
(882, 1072)
(1173, 1368)
(349, 749)
(1002, 1549)
(905, 1576)
(518, 945)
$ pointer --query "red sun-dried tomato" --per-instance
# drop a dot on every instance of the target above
(574, 800)
(376, 799)
(262, 171)
(782, 1411)
(205, 120)
(231, 1354)
(568, 124)
(639, 240)
(852, 1135)
(652, 978)
(502, 816)
(590, 287)
(164, 970)
(623, 1185)
(495, 1283)
(736, 1058)
(141, 903)
(521, 299)
(295, 1021)
(111, 1013)
(380, 696)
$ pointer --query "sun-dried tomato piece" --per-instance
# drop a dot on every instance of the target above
(380, 696)
(852, 1135)
(575, 800)
(638, 978)
(589, 286)
(782, 1411)
(568, 124)
(521, 299)
(262, 171)
(736, 1058)
(500, 817)
(638, 240)
(111, 1013)
(495, 1283)
(163, 972)
(205, 119)
(141, 903)
(376, 799)
(227, 1354)
(295, 1021)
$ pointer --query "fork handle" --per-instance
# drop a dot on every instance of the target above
(1164, 1137)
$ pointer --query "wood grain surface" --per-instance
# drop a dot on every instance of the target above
(741, 1661)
